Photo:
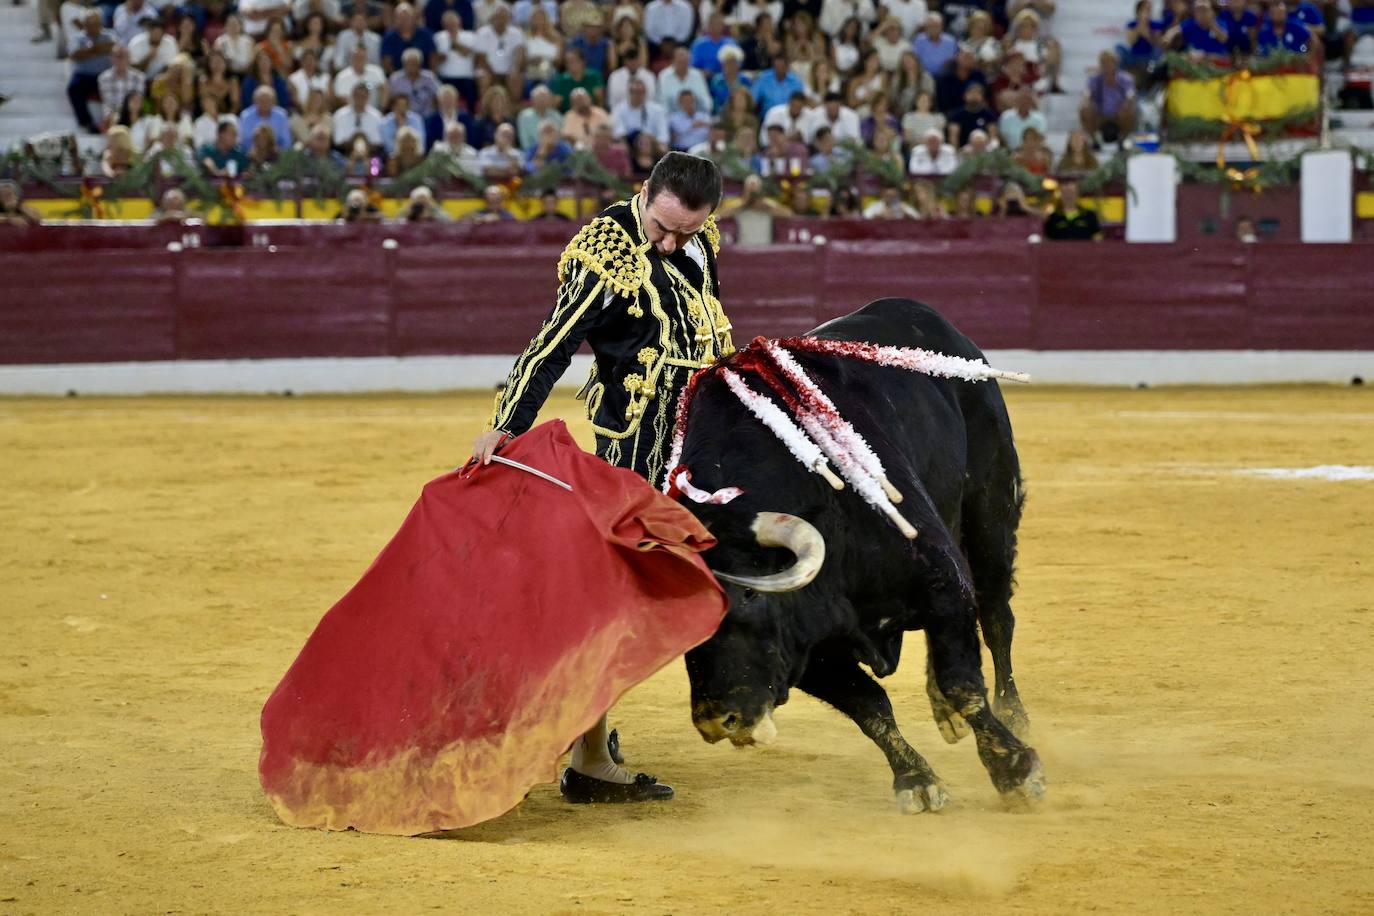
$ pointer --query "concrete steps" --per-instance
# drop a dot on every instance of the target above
(32, 76)
(1084, 28)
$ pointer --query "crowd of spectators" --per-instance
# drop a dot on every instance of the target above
(783, 89)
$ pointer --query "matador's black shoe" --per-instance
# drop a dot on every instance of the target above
(585, 790)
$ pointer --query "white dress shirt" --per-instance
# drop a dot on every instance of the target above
(652, 117)
(372, 76)
(499, 49)
(923, 163)
(618, 84)
(844, 127)
(348, 121)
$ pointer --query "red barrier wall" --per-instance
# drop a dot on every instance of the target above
(366, 300)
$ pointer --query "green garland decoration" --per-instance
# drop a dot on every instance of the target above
(1189, 130)
(732, 165)
(889, 173)
(580, 166)
(1183, 66)
(436, 169)
(19, 167)
(584, 166)
(297, 167)
(145, 176)
(1110, 172)
(998, 163)
(840, 173)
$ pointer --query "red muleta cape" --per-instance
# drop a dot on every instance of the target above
(503, 619)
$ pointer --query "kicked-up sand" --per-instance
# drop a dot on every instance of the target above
(1193, 646)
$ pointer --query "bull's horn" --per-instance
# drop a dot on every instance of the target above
(776, 529)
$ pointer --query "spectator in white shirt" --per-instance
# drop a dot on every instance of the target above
(500, 48)
(681, 76)
(638, 114)
(484, 11)
(933, 156)
(789, 117)
(308, 76)
(910, 13)
(455, 144)
(329, 9)
(842, 120)
(747, 12)
(668, 19)
(235, 45)
(131, 17)
(503, 158)
(835, 13)
(205, 127)
(890, 205)
(258, 13)
(360, 73)
(888, 41)
(152, 49)
(618, 84)
(455, 50)
(357, 118)
(357, 35)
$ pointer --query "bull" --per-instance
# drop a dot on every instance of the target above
(820, 584)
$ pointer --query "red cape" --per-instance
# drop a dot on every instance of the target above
(503, 619)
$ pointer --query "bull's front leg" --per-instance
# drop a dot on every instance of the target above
(955, 659)
(834, 677)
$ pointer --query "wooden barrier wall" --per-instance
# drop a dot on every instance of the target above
(358, 298)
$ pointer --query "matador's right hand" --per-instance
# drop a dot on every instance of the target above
(488, 444)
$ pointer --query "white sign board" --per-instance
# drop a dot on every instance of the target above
(1152, 198)
(1328, 196)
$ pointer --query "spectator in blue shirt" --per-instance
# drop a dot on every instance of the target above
(1282, 31)
(775, 86)
(730, 77)
(687, 126)
(405, 34)
(399, 117)
(1201, 34)
(551, 149)
(1241, 24)
(934, 46)
(1144, 39)
(594, 45)
(264, 110)
(706, 49)
(90, 55)
(1310, 15)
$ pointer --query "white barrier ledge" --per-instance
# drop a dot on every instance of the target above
(447, 373)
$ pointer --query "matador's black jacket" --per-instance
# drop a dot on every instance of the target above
(651, 321)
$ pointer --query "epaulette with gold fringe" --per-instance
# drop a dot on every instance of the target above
(712, 233)
(605, 247)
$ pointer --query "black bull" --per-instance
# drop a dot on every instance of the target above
(947, 446)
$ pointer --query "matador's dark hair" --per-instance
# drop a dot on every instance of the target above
(692, 179)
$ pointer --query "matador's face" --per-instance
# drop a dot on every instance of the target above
(668, 224)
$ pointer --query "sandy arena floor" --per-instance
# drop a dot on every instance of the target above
(1194, 648)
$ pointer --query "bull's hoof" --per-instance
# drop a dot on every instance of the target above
(1029, 793)
(920, 799)
(952, 726)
